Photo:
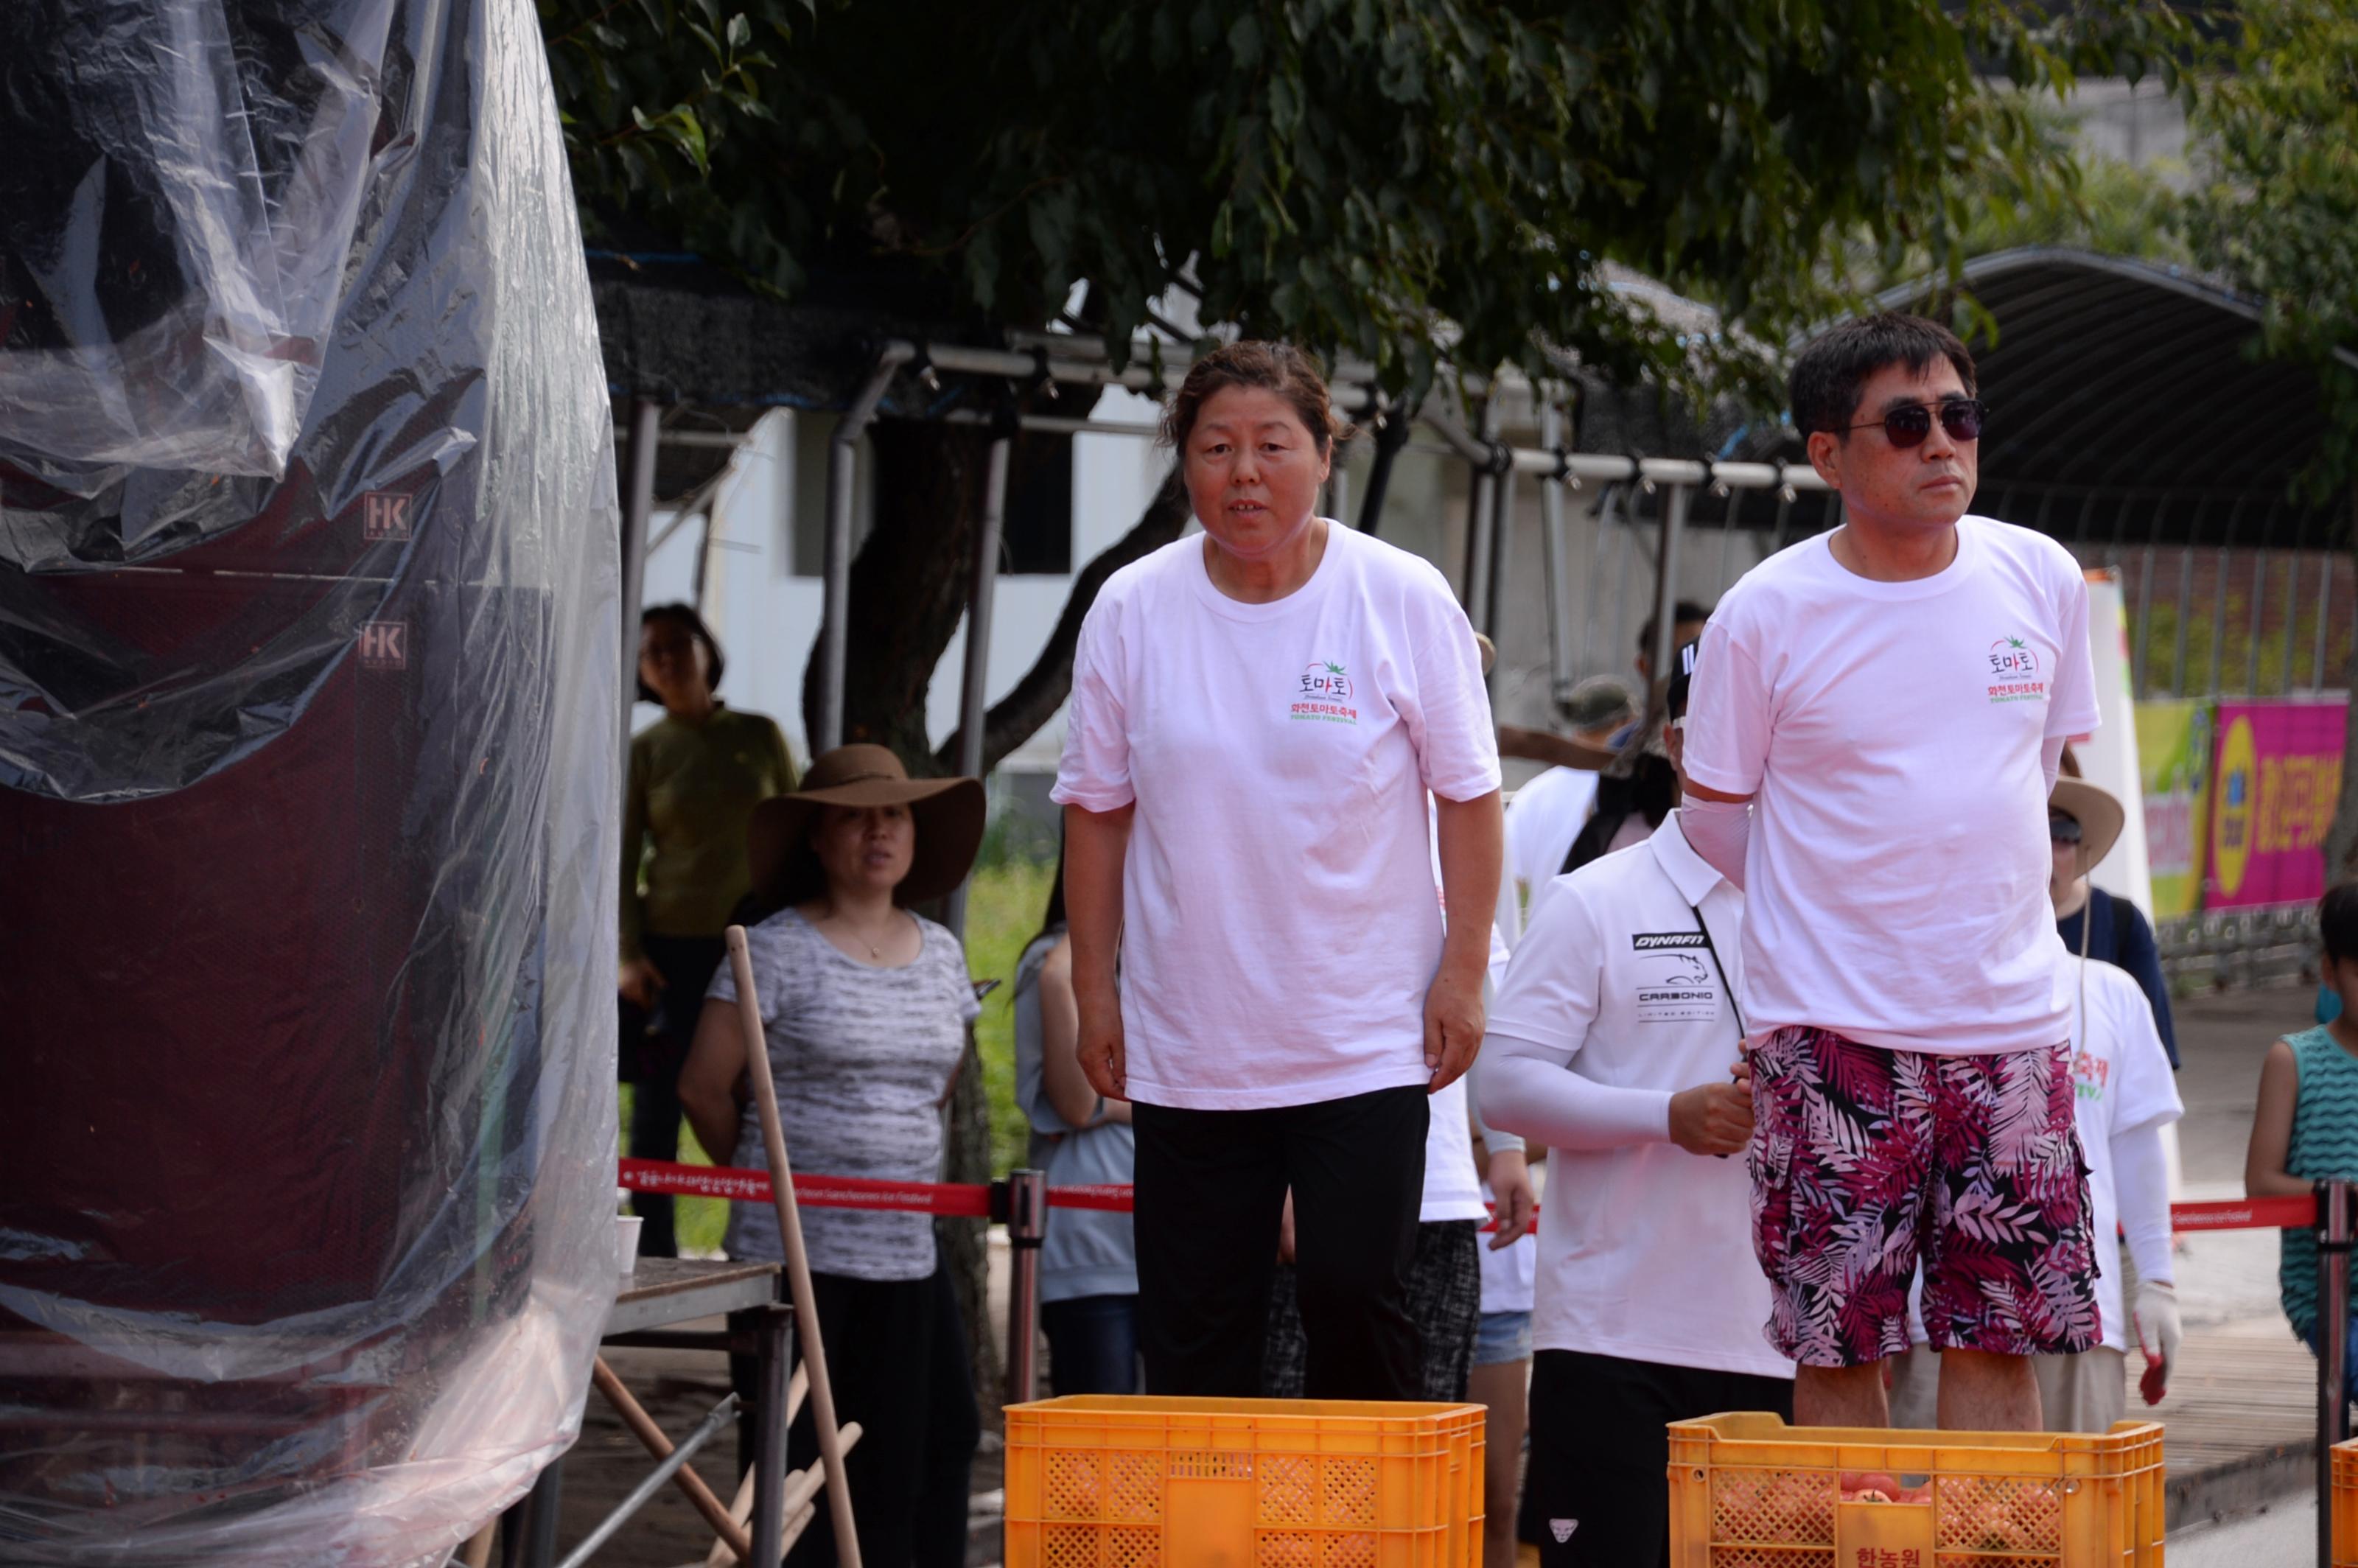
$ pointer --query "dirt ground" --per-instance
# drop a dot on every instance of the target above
(678, 1388)
(2223, 1036)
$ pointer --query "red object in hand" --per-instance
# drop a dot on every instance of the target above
(2156, 1381)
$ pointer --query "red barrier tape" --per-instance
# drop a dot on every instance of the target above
(2245, 1214)
(813, 1192)
(973, 1202)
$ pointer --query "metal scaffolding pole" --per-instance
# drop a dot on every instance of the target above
(842, 473)
(2138, 682)
(2324, 618)
(1481, 522)
(974, 695)
(1502, 553)
(638, 509)
(1555, 561)
(1614, 497)
(1666, 583)
(2219, 600)
(2292, 615)
(2258, 615)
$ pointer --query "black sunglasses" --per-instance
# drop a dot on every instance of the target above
(1904, 428)
(2062, 829)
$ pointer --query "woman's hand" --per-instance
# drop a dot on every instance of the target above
(1452, 1025)
(640, 982)
(1510, 1190)
(1103, 1060)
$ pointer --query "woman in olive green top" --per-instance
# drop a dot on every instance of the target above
(696, 775)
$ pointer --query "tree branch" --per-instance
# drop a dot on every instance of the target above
(1017, 717)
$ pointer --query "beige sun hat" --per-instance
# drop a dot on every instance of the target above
(2099, 815)
(948, 813)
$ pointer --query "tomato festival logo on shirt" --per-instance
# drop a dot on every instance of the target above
(1324, 693)
(2014, 672)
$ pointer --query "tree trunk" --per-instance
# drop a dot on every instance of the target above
(1017, 717)
(2341, 843)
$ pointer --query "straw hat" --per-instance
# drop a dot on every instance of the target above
(2099, 816)
(948, 813)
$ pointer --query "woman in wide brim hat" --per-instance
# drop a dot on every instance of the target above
(2083, 822)
(865, 1006)
(948, 815)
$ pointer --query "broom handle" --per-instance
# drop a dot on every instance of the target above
(790, 1231)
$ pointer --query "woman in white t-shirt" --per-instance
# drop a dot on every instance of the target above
(1256, 718)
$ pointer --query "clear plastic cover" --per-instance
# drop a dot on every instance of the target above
(309, 731)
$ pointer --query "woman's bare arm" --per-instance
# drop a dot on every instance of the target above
(1060, 1038)
(1097, 843)
(709, 1080)
(2265, 1175)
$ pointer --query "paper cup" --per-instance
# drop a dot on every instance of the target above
(626, 1243)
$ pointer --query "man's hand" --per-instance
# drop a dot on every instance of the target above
(1510, 1189)
(1100, 1047)
(2159, 1334)
(1453, 1025)
(1712, 1119)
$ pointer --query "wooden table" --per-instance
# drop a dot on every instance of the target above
(664, 1293)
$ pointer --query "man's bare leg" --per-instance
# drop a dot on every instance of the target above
(1982, 1392)
(1844, 1396)
(1505, 1387)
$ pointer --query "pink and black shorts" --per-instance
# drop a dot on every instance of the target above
(1867, 1162)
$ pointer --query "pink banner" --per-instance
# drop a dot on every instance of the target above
(2275, 778)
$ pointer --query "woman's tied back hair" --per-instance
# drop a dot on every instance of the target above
(1275, 367)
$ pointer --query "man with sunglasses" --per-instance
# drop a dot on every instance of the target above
(1877, 721)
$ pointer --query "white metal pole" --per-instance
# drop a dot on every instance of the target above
(974, 695)
(842, 471)
(1556, 562)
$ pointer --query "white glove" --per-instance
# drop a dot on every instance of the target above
(2159, 1332)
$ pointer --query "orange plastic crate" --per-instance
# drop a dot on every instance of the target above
(1748, 1491)
(1104, 1481)
(2345, 1504)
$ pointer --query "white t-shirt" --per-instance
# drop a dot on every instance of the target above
(1896, 882)
(1452, 1188)
(1280, 929)
(1542, 820)
(2123, 1082)
(1645, 1250)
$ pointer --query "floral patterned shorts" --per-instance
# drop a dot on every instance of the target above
(1867, 1162)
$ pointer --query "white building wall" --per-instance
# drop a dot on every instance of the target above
(766, 616)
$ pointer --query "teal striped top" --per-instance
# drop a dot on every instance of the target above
(2325, 1145)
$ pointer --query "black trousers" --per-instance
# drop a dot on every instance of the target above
(1210, 1190)
(653, 1052)
(1598, 1487)
(896, 1359)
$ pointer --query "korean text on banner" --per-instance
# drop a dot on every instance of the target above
(2174, 749)
(2276, 779)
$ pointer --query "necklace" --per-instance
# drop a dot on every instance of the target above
(875, 953)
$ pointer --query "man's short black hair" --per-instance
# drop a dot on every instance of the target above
(2337, 922)
(1832, 372)
(1684, 613)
